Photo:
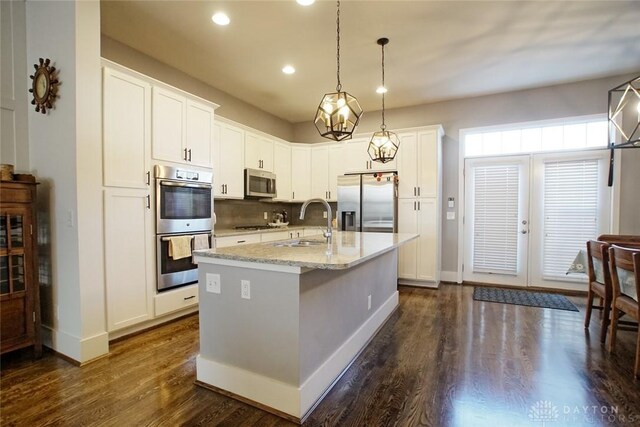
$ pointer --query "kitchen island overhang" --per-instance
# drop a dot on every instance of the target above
(311, 310)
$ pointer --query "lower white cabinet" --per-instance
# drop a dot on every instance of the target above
(272, 236)
(419, 260)
(178, 299)
(129, 257)
(313, 231)
(243, 239)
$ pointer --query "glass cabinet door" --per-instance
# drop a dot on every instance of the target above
(12, 253)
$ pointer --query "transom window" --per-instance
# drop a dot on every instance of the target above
(564, 135)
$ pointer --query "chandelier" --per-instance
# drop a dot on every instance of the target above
(384, 144)
(339, 112)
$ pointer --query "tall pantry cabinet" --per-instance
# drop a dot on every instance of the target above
(419, 205)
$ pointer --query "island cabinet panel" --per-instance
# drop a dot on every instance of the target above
(126, 130)
(228, 152)
(300, 176)
(19, 287)
(129, 261)
(282, 169)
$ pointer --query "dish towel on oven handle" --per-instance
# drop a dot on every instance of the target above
(180, 247)
(200, 241)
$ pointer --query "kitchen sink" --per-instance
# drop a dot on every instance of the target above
(297, 243)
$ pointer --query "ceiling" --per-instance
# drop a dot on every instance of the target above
(438, 50)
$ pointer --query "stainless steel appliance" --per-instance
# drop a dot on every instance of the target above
(184, 206)
(259, 183)
(368, 202)
(183, 200)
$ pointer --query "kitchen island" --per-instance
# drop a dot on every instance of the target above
(281, 321)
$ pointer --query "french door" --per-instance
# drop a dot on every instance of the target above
(528, 216)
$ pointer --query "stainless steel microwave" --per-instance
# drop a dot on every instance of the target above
(259, 183)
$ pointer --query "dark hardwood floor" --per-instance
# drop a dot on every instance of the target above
(442, 359)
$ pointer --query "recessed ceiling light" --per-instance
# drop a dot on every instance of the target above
(220, 18)
(381, 89)
(305, 2)
(288, 69)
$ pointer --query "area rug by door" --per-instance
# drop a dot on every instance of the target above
(520, 297)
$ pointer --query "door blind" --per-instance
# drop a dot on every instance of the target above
(495, 219)
(570, 213)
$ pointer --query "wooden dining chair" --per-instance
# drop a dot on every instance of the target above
(624, 266)
(599, 284)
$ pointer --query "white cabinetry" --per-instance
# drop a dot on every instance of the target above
(336, 168)
(357, 158)
(181, 128)
(129, 261)
(320, 172)
(419, 205)
(300, 176)
(419, 161)
(258, 152)
(272, 236)
(177, 299)
(126, 130)
(419, 259)
(228, 170)
(242, 239)
(282, 169)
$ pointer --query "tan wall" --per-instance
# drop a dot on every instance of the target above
(572, 99)
(230, 107)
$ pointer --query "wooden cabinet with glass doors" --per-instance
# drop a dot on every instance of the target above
(19, 293)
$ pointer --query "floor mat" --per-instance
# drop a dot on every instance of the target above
(520, 297)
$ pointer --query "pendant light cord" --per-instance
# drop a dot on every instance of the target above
(383, 126)
(339, 86)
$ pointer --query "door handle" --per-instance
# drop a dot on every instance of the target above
(185, 154)
(189, 154)
(188, 298)
(148, 177)
(523, 231)
(148, 201)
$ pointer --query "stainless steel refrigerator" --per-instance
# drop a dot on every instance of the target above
(368, 202)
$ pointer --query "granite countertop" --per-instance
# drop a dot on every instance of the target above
(223, 232)
(349, 249)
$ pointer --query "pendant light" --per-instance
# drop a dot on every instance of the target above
(624, 118)
(339, 112)
(384, 144)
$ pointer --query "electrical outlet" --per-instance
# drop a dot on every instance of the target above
(213, 283)
(266, 215)
(245, 289)
(369, 302)
(324, 214)
(451, 215)
(70, 220)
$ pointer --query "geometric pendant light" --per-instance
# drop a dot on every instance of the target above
(384, 144)
(339, 112)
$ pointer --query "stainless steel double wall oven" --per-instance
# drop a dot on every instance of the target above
(184, 206)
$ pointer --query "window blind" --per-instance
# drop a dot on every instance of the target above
(570, 212)
(495, 219)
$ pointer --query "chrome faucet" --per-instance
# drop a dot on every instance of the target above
(327, 234)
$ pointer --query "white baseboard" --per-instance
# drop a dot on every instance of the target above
(449, 276)
(419, 283)
(151, 323)
(290, 398)
(79, 349)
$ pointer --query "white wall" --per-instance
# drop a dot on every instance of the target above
(14, 148)
(65, 157)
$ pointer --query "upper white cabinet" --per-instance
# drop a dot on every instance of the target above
(356, 158)
(126, 130)
(228, 168)
(419, 160)
(258, 152)
(320, 172)
(282, 169)
(300, 176)
(336, 168)
(199, 137)
(182, 128)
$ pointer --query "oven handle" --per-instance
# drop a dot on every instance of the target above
(184, 184)
(166, 239)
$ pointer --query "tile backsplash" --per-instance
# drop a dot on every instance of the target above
(231, 213)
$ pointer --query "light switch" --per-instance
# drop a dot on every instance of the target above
(451, 215)
(213, 283)
(451, 202)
